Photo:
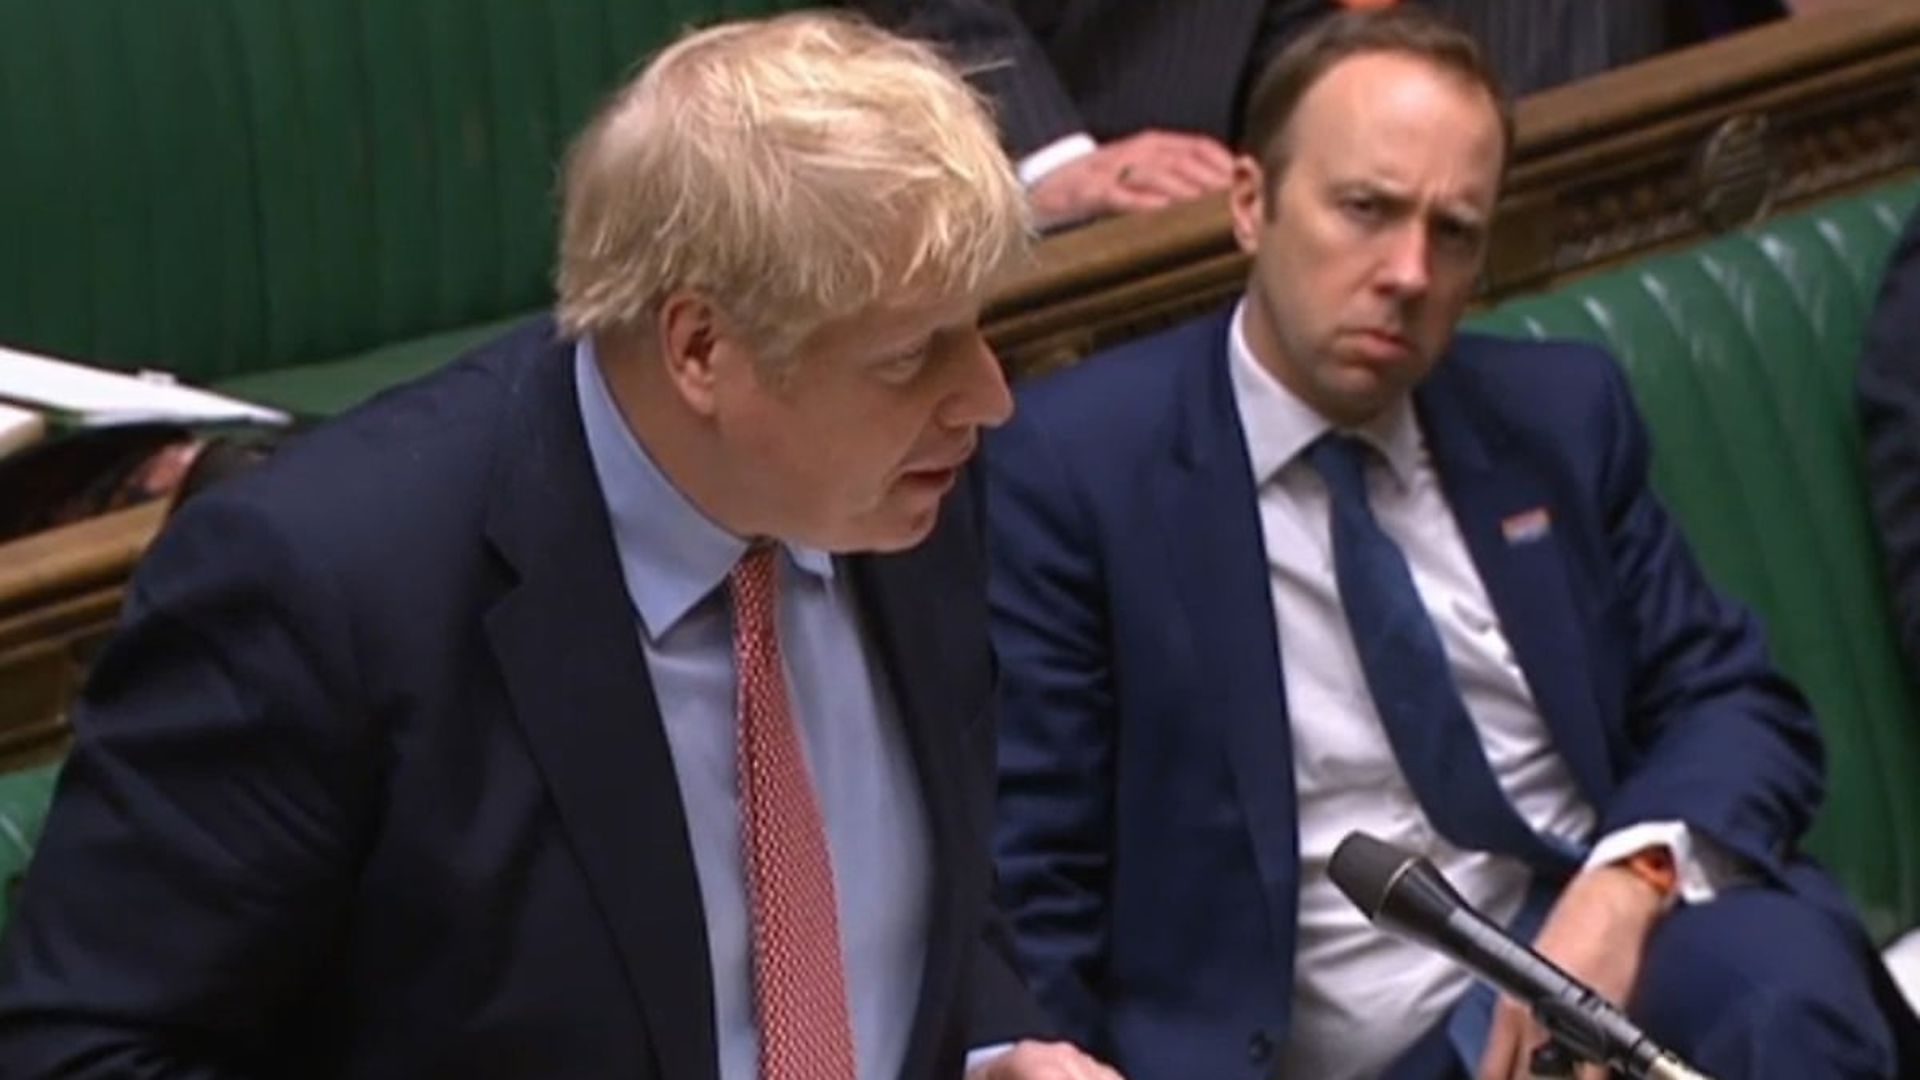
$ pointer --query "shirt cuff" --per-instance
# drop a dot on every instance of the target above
(983, 1055)
(1053, 155)
(1702, 867)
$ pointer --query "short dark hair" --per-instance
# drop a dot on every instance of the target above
(1403, 28)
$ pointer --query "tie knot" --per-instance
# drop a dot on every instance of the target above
(751, 581)
(1341, 461)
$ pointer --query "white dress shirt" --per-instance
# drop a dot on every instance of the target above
(1035, 166)
(1361, 996)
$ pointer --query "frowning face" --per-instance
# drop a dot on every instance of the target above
(1367, 246)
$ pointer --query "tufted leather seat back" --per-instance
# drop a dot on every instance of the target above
(225, 186)
(1741, 353)
(24, 795)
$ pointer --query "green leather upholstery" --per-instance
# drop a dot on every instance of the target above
(328, 387)
(251, 190)
(236, 187)
(24, 795)
(1741, 352)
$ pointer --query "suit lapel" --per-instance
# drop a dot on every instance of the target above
(894, 593)
(566, 642)
(1209, 511)
(1508, 515)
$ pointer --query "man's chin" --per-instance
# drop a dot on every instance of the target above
(909, 533)
(1360, 394)
(890, 529)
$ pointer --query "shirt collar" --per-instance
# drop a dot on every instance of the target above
(671, 555)
(1279, 426)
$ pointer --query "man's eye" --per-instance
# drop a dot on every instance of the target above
(902, 366)
(1457, 234)
(1364, 209)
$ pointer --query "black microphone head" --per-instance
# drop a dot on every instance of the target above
(1364, 868)
(1403, 893)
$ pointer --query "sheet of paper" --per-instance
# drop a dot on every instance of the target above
(19, 428)
(95, 397)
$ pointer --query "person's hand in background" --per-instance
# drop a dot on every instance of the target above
(1145, 171)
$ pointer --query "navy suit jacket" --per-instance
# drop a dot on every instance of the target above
(372, 782)
(1147, 842)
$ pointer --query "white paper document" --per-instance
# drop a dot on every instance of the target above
(19, 428)
(94, 397)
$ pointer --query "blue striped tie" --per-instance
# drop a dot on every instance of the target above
(1407, 673)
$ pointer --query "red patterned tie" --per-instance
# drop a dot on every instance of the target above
(799, 989)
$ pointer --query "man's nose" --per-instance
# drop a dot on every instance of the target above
(980, 397)
(1404, 267)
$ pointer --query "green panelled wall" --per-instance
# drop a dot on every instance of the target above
(225, 186)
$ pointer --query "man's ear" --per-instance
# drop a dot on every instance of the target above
(1247, 201)
(692, 341)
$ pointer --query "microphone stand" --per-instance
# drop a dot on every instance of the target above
(1573, 1038)
(1550, 1061)
(1403, 893)
(1578, 1037)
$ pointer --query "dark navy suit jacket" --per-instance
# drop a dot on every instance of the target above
(372, 782)
(1147, 841)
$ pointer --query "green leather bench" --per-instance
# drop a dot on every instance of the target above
(299, 200)
(1741, 353)
(305, 200)
(24, 794)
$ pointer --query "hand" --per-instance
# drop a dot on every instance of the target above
(1596, 933)
(1140, 172)
(1031, 1060)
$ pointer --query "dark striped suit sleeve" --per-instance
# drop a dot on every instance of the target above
(1000, 56)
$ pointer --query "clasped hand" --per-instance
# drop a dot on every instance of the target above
(1597, 933)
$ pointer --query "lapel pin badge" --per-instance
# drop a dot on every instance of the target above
(1526, 526)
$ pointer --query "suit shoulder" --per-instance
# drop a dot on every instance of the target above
(1549, 379)
(415, 458)
(1547, 359)
(1142, 370)
(1123, 390)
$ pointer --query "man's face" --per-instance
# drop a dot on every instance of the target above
(1366, 248)
(851, 444)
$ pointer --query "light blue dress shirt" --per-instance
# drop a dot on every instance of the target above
(675, 561)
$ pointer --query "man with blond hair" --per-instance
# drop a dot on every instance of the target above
(616, 702)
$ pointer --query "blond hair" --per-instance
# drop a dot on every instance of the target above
(794, 170)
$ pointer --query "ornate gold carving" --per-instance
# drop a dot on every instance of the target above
(1840, 147)
(1750, 163)
(1629, 214)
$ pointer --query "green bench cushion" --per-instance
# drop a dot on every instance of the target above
(24, 795)
(1741, 353)
(324, 389)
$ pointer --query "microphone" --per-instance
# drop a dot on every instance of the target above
(1402, 892)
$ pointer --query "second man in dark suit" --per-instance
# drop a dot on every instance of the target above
(1318, 563)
